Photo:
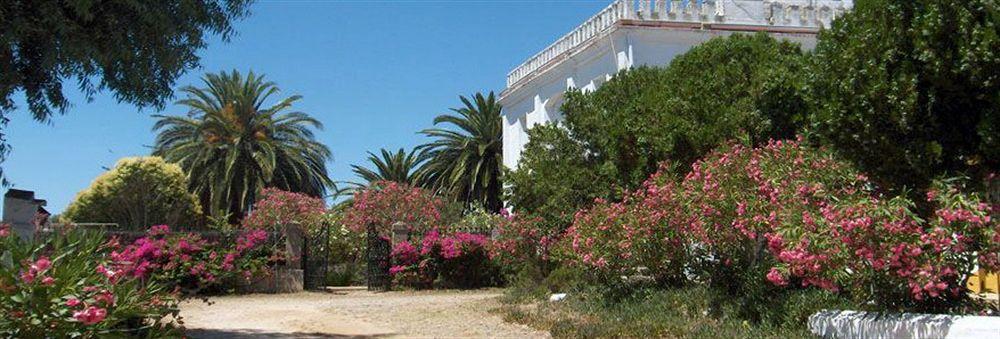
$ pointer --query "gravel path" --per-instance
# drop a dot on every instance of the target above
(352, 313)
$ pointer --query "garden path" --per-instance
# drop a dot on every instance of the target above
(352, 313)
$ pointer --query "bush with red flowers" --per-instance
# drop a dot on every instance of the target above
(797, 217)
(459, 260)
(276, 208)
(644, 230)
(60, 287)
(385, 203)
(188, 261)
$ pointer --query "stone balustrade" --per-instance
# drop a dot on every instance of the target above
(749, 15)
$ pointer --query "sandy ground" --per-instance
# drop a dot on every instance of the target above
(352, 313)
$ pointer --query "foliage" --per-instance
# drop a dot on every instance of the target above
(643, 230)
(187, 261)
(232, 146)
(466, 163)
(277, 207)
(385, 203)
(453, 260)
(345, 249)
(659, 313)
(521, 243)
(110, 44)
(820, 223)
(910, 90)
(737, 87)
(554, 178)
(136, 193)
(54, 288)
(401, 167)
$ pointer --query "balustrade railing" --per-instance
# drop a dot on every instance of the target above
(811, 14)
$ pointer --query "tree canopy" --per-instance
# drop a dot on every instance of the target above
(233, 144)
(910, 89)
(137, 193)
(743, 87)
(465, 162)
(134, 48)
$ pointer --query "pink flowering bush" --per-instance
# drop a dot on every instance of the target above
(797, 217)
(385, 203)
(519, 241)
(643, 230)
(189, 262)
(455, 260)
(276, 207)
(58, 287)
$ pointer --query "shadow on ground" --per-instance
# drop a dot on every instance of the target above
(256, 334)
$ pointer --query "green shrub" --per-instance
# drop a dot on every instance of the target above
(741, 87)
(910, 89)
(554, 178)
(137, 193)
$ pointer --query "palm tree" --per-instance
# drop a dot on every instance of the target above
(399, 166)
(231, 145)
(466, 162)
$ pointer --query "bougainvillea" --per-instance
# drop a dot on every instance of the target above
(455, 260)
(277, 207)
(187, 260)
(385, 203)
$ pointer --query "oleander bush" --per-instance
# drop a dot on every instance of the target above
(757, 223)
(384, 203)
(276, 207)
(643, 231)
(59, 287)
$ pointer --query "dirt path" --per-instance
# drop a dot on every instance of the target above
(352, 313)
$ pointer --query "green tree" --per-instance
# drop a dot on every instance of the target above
(135, 48)
(554, 177)
(743, 87)
(232, 145)
(137, 193)
(399, 166)
(466, 162)
(910, 89)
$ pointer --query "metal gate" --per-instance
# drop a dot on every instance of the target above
(378, 261)
(316, 258)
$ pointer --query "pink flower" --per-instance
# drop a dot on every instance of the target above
(775, 277)
(48, 281)
(4, 230)
(90, 315)
(72, 302)
(28, 277)
(43, 263)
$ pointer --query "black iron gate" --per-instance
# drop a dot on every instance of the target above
(316, 258)
(378, 261)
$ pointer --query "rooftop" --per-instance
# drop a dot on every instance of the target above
(786, 16)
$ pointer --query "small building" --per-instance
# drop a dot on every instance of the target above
(25, 214)
(631, 33)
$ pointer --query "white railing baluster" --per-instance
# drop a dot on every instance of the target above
(798, 13)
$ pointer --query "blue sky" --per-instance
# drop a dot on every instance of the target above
(374, 72)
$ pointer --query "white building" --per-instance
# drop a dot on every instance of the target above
(641, 32)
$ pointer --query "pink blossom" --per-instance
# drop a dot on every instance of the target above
(90, 315)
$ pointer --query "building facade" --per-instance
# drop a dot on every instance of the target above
(630, 33)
